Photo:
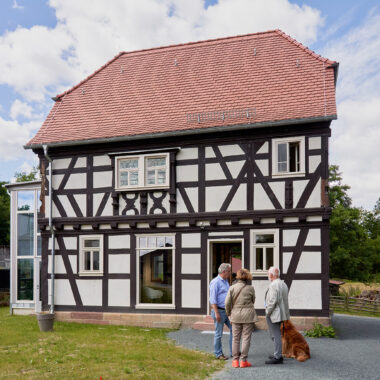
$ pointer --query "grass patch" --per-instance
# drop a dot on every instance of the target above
(358, 286)
(319, 330)
(86, 351)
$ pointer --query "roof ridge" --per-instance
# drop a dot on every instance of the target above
(219, 39)
(305, 48)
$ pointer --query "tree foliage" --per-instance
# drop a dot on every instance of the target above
(354, 234)
(24, 176)
(4, 215)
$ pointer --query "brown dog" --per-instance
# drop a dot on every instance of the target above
(294, 344)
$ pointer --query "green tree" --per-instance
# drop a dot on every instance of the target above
(354, 234)
(4, 215)
(24, 176)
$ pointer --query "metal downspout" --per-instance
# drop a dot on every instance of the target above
(51, 228)
(10, 256)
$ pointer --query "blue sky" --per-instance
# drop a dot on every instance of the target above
(48, 46)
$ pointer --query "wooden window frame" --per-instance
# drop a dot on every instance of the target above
(142, 172)
(302, 158)
(82, 249)
(274, 245)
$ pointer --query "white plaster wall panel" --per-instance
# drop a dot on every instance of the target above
(77, 181)
(286, 257)
(97, 198)
(81, 200)
(108, 208)
(215, 196)
(239, 201)
(67, 205)
(314, 143)
(291, 219)
(63, 294)
(191, 240)
(119, 241)
(59, 267)
(230, 150)
(245, 221)
(119, 293)
(86, 227)
(162, 225)
(298, 188)
(187, 173)
(223, 222)
(209, 152)
(305, 294)
(191, 293)
(314, 161)
(315, 197)
(102, 179)
(267, 220)
(90, 292)
(192, 194)
(142, 225)
(289, 237)
(81, 162)
(56, 246)
(57, 179)
(261, 286)
(165, 202)
(310, 262)
(187, 154)
(101, 160)
(71, 242)
(278, 189)
(261, 200)
(68, 228)
(226, 233)
(61, 163)
(182, 224)
(314, 218)
(235, 167)
(214, 171)
(55, 213)
(191, 263)
(263, 166)
(313, 237)
(119, 263)
(263, 149)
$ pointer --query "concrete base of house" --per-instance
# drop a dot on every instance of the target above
(199, 322)
(23, 311)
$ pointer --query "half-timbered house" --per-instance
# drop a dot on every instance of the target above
(168, 161)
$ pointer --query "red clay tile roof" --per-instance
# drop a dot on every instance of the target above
(153, 91)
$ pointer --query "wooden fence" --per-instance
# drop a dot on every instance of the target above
(341, 303)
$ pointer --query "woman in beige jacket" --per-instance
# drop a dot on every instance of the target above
(240, 309)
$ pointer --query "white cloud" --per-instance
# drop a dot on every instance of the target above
(356, 134)
(14, 136)
(23, 109)
(15, 5)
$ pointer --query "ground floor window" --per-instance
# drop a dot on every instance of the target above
(25, 279)
(264, 252)
(155, 269)
(91, 255)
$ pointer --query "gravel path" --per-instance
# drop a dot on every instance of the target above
(354, 354)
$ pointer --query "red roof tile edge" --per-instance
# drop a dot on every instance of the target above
(187, 44)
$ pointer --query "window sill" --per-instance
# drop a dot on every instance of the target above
(158, 188)
(90, 274)
(154, 306)
(289, 174)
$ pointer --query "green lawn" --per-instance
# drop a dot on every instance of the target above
(86, 351)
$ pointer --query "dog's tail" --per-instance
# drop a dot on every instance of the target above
(302, 354)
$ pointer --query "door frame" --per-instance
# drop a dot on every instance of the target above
(210, 243)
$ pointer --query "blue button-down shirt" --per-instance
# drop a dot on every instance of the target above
(218, 291)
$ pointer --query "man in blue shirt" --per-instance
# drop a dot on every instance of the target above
(218, 291)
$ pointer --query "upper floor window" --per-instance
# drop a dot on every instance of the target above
(288, 156)
(264, 252)
(91, 255)
(142, 171)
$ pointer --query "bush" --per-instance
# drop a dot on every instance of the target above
(319, 330)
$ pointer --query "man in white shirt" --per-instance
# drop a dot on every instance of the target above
(276, 311)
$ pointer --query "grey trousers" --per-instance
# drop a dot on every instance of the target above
(275, 334)
(244, 331)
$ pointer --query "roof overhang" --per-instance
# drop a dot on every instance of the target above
(28, 185)
(185, 132)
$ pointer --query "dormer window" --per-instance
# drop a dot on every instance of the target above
(145, 171)
(288, 156)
